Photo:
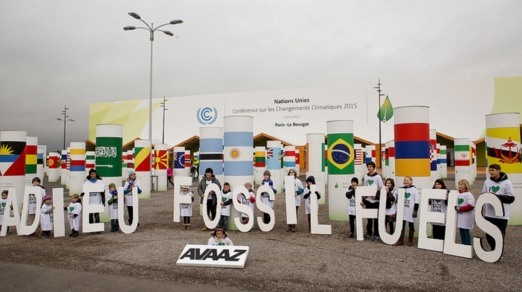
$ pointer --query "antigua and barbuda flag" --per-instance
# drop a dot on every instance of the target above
(385, 112)
(12, 158)
(340, 153)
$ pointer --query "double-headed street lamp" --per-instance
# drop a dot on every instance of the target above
(151, 30)
(65, 119)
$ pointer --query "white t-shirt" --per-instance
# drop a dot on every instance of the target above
(3, 208)
(186, 208)
(95, 197)
(351, 203)
(465, 219)
(411, 197)
(375, 180)
(46, 220)
(32, 201)
(224, 241)
(439, 206)
(393, 208)
(504, 187)
(225, 209)
(298, 185)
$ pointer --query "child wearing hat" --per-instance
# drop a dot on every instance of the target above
(186, 208)
(219, 237)
(265, 197)
(95, 198)
(46, 217)
(74, 210)
(208, 179)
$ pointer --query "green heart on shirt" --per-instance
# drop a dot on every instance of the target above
(223, 199)
(495, 188)
(336, 185)
(3, 205)
(370, 182)
(407, 195)
(71, 209)
(460, 201)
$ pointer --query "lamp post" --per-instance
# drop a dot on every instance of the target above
(151, 30)
(164, 106)
(379, 154)
(65, 119)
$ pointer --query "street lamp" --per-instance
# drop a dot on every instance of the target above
(65, 119)
(151, 30)
(164, 106)
(379, 150)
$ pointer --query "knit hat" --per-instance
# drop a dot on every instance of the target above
(46, 197)
(311, 179)
(267, 172)
(92, 170)
(209, 170)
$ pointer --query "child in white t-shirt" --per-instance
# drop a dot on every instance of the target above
(46, 217)
(466, 214)
(247, 199)
(350, 195)
(74, 212)
(113, 207)
(186, 208)
(4, 209)
(219, 237)
(226, 201)
(411, 205)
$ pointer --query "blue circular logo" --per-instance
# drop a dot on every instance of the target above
(207, 115)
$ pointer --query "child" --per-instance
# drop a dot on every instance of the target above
(74, 211)
(127, 194)
(465, 215)
(226, 201)
(219, 237)
(299, 189)
(247, 199)
(309, 181)
(32, 198)
(46, 217)
(95, 198)
(113, 207)
(186, 208)
(265, 198)
(350, 195)
(3, 207)
(439, 206)
(170, 174)
(372, 178)
(391, 207)
(411, 205)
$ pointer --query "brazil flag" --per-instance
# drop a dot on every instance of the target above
(340, 153)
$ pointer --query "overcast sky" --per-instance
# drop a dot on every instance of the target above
(57, 53)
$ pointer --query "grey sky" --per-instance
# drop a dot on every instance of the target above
(54, 53)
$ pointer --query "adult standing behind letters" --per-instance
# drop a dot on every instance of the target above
(499, 185)
(208, 179)
(95, 198)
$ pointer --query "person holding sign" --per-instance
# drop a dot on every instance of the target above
(309, 181)
(212, 197)
(350, 195)
(439, 206)
(499, 185)
(372, 178)
(219, 237)
(411, 206)
(299, 189)
(465, 215)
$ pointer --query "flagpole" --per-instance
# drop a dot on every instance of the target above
(378, 87)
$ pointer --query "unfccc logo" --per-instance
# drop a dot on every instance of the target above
(207, 115)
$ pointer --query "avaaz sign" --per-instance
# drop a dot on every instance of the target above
(219, 256)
